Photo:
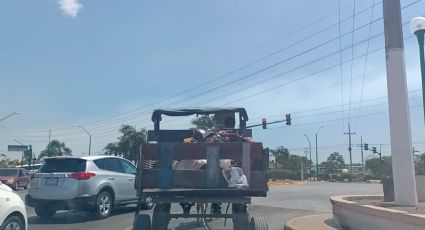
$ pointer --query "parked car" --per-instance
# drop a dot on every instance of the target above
(95, 183)
(15, 177)
(13, 214)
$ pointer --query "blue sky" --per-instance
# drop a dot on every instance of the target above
(102, 63)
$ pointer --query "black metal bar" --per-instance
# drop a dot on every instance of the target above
(269, 123)
(200, 215)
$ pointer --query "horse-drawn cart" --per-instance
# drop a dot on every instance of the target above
(206, 186)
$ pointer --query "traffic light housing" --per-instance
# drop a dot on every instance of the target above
(366, 146)
(374, 149)
(288, 119)
(264, 123)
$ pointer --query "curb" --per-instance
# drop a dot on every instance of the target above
(314, 222)
(284, 183)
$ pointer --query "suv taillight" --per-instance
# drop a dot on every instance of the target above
(82, 175)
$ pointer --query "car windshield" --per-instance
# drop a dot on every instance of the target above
(63, 165)
(8, 172)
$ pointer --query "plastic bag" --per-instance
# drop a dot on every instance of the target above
(236, 178)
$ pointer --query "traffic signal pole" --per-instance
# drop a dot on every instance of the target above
(361, 147)
(349, 146)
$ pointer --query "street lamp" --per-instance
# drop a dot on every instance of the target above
(4, 118)
(317, 157)
(81, 127)
(417, 26)
(309, 145)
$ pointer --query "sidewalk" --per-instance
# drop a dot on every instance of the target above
(314, 222)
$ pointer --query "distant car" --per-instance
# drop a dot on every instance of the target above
(94, 183)
(15, 177)
(13, 214)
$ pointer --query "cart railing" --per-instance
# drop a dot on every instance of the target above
(250, 156)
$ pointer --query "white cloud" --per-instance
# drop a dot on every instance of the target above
(70, 7)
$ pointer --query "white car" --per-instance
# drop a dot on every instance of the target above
(13, 215)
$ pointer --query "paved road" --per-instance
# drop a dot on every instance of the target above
(282, 204)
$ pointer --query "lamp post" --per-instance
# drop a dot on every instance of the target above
(81, 127)
(417, 26)
(309, 145)
(4, 118)
(317, 157)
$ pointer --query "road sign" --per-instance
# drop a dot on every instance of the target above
(17, 148)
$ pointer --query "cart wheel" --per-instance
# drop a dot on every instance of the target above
(160, 217)
(142, 222)
(240, 216)
(258, 223)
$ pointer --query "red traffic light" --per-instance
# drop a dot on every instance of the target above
(264, 123)
(288, 119)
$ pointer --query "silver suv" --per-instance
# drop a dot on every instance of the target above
(95, 183)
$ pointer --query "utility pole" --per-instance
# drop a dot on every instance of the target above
(48, 146)
(309, 145)
(361, 147)
(349, 146)
(400, 131)
(317, 157)
(317, 162)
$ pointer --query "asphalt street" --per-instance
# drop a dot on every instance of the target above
(283, 203)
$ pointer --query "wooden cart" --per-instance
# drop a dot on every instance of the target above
(156, 177)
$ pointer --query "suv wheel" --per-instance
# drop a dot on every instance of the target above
(103, 205)
(45, 211)
(13, 223)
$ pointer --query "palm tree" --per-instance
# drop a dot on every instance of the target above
(55, 148)
(129, 143)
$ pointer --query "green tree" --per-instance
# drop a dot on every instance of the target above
(281, 156)
(287, 165)
(333, 163)
(112, 149)
(129, 143)
(203, 122)
(4, 160)
(380, 167)
(420, 164)
(55, 148)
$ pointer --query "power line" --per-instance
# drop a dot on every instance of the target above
(222, 76)
(340, 64)
(365, 67)
(173, 103)
(352, 62)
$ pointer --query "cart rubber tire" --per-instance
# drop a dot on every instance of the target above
(258, 223)
(161, 216)
(240, 216)
(142, 222)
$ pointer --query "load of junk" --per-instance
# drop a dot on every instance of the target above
(231, 170)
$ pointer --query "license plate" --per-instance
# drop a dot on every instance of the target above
(52, 181)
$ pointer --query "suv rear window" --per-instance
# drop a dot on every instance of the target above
(63, 165)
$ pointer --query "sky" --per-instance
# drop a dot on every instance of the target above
(102, 63)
